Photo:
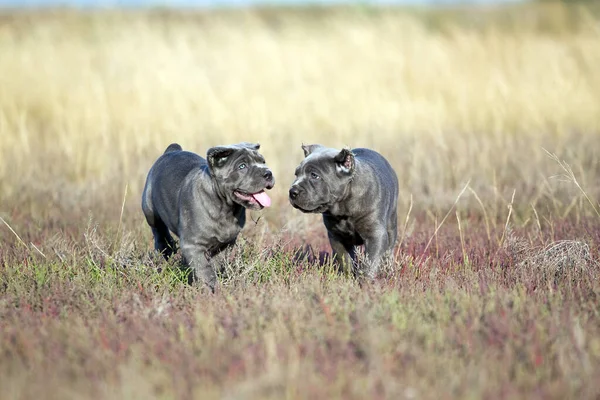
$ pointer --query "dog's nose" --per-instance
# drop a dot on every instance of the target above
(294, 192)
(268, 175)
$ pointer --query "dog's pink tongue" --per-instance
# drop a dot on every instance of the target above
(262, 198)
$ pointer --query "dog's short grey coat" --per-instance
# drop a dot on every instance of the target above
(357, 193)
(203, 201)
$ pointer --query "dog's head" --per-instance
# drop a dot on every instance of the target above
(241, 174)
(321, 178)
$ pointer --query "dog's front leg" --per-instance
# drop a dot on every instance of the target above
(196, 258)
(375, 248)
(219, 259)
(342, 252)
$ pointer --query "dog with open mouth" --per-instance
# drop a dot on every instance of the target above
(204, 201)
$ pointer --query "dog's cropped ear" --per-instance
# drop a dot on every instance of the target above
(251, 146)
(344, 161)
(217, 156)
(309, 148)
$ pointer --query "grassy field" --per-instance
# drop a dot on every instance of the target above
(491, 118)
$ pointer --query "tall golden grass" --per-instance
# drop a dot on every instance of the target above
(89, 100)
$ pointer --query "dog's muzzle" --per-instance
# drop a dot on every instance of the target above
(294, 192)
(268, 175)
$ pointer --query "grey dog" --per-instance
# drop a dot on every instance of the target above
(203, 201)
(357, 193)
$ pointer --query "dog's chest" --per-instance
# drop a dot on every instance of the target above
(344, 227)
(229, 227)
(227, 232)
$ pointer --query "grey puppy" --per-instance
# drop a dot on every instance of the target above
(204, 202)
(357, 193)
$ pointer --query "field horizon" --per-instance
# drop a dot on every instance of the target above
(490, 118)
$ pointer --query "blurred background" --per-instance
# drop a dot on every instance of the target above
(449, 93)
(212, 3)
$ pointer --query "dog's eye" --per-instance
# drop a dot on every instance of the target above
(314, 176)
(242, 166)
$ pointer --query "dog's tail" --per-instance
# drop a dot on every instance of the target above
(173, 147)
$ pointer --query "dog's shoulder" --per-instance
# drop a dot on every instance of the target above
(378, 165)
(366, 154)
(371, 157)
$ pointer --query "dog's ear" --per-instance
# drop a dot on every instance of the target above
(217, 156)
(309, 148)
(344, 161)
(251, 146)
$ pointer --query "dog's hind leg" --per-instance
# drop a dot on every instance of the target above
(163, 241)
(392, 230)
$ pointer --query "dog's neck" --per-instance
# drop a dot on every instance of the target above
(342, 205)
(338, 207)
(218, 191)
(221, 198)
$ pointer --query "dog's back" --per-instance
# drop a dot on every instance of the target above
(166, 177)
(381, 168)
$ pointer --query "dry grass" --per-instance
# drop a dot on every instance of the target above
(494, 291)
